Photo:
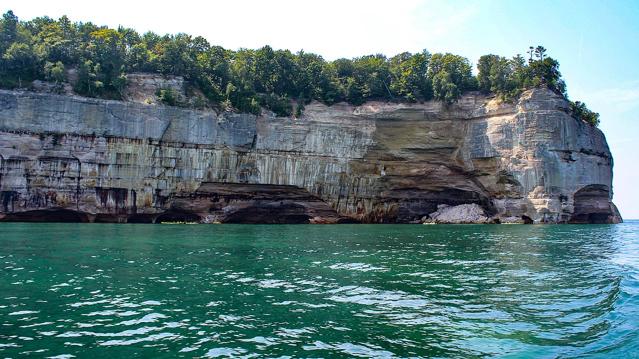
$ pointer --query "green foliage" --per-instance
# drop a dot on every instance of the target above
(54, 72)
(19, 65)
(444, 88)
(409, 80)
(507, 78)
(546, 72)
(451, 76)
(107, 50)
(281, 105)
(88, 83)
(168, 96)
(485, 65)
(8, 30)
(581, 112)
(55, 39)
(499, 75)
(247, 80)
(138, 58)
(299, 109)
(20, 57)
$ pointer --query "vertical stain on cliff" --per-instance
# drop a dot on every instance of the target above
(114, 200)
(7, 198)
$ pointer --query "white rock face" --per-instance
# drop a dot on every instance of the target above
(379, 162)
(142, 87)
(50, 87)
(462, 214)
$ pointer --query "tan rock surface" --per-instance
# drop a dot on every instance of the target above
(87, 159)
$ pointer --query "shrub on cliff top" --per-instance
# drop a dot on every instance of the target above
(581, 112)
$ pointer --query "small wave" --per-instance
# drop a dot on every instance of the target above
(371, 296)
(261, 340)
(149, 318)
(224, 352)
(150, 338)
(108, 313)
(25, 312)
(80, 304)
(361, 267)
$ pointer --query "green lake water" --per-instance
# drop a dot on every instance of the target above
(111, 291)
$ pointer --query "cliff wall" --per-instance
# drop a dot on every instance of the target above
(79, 159)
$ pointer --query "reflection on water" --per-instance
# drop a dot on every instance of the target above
(318, 291)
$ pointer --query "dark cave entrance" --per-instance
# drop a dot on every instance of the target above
(177, 217)
(48, 215)
(592, 205)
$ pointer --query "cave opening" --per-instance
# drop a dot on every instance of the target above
(281, 212)
(48, 215)
(141, 218)
(178, 217)
(592, 205)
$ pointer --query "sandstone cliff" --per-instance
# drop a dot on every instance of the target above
(69, 158)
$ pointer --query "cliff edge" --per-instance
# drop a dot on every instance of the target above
(69, 158)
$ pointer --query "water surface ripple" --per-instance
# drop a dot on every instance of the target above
(107, 291)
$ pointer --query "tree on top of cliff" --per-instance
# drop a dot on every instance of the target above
(581, 112)
(507, 78)
(407, 76)
(540, 52)
(451, 76)
(8, 30)
(249, 80)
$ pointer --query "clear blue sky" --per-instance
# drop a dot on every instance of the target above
(596, 42)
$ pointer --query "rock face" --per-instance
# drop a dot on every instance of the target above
(462, 214)
(79, 159)
(142, 87)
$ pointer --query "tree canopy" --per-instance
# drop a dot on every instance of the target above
(247, 80)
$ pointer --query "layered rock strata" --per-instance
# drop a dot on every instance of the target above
(78, 159)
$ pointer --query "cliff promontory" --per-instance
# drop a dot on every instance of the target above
(70, 158)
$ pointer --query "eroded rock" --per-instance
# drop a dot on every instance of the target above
(375, 163)
(462, 214)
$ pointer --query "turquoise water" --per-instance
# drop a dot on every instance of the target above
(108, 291)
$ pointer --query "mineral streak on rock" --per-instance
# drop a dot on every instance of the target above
(69, 158)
